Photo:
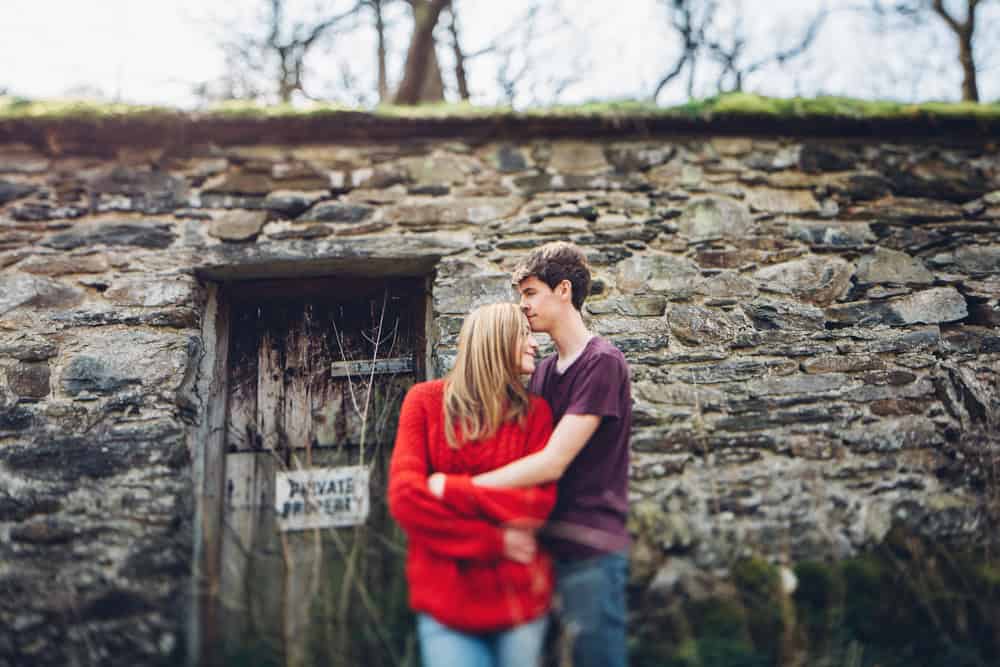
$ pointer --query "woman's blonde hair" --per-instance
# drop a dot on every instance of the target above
(484, 389)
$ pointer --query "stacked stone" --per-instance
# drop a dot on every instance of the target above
(812, 328)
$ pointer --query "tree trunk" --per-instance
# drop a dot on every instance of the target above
(432, 89)
(383, 78)
(970, 87)
(420, 56)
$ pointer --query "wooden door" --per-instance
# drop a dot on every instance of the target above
(317, 372)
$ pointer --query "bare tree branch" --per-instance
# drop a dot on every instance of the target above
(456, 47)
(964, 30)
(381, 49)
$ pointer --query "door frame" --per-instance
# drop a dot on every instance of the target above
(207, 442)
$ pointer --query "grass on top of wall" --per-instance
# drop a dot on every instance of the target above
(729, 105)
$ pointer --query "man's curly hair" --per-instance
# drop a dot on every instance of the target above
(555, 262)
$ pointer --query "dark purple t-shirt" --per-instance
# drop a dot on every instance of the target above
(589, 516)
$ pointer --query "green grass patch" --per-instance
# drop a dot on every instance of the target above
(909, 602)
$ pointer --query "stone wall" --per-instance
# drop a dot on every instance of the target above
(812, 327)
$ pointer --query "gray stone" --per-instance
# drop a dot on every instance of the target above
(772, 314)
(226, 201)
(240, 183)
(893, 435)
(442, 190)
(437, 170)
(629, 344)
(538, 183)
(15, 418)
(137, 190)
(237, 225)
(771, 418)
(705, 398)
(172, 317)
(883, 265)
(22, 159)
(400, 254)
(637, 306)
(28, 347)
(378, 178)
(469, 293)
(734, 371)
(815, 158)
(551, 225)
(671, 275)
(628, 325)
(122, 357)
(862, 186)
(29, 380)
(708, 218)
(509, 158)
(46, 530)
(25, 503)
(442, 213)
(931, 306)
(576, 157)
(300, 232)
(906, 209)
(143, 234)
(73, 458)
(92, 375)
(909, 341)
(629, 157)
(819, 280)
(150, 292)
(291, 203)
(336, 212)
(732, 146)
(978, 260)
(360, 229)
(9, 191)
(43, 211)
(770, 200)
(21, 290)
(830, 234)
(842, 363)
(695, 325)
(727, 285)
(888, 377)
(938, 176)
(60, 264)
(884, 292)
(825, 383)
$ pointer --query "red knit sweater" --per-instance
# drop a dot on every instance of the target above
(455, 564)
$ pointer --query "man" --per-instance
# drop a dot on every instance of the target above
(587, 385)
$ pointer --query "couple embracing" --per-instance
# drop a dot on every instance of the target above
(509, 494)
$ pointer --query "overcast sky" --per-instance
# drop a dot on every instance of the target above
(157, 51)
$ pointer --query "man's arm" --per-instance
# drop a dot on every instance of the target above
(548, 465)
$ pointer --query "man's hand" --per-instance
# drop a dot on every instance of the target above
(435, 484)
(519, 544)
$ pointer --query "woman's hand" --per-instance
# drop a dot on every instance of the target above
(435, 484)
(519, 544)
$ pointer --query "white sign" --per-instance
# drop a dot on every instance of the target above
(321, 498)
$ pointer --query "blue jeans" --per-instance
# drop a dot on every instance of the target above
(441, 646)
(592, 609)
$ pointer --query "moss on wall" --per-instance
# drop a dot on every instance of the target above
(732, 104)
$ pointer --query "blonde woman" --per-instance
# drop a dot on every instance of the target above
(479, 585)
